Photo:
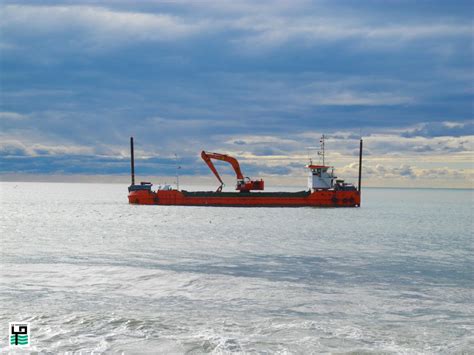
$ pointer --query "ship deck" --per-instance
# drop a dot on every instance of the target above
(245, 194)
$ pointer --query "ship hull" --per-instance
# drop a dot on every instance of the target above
(320, 198)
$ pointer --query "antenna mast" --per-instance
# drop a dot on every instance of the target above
(322, 151)
(177, 171)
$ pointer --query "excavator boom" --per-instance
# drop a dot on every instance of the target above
(207, 158)
(243, 184)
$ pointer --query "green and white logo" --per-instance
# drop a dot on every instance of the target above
(19, 334)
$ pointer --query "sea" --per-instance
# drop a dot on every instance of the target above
(90, 273)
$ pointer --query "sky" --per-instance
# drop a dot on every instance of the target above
(260, 80)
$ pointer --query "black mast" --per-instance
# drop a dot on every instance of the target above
(132, 162)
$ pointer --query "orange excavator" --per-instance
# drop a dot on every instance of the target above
(243, 184)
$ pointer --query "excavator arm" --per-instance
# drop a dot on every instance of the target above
(242, 184)
(207, 158)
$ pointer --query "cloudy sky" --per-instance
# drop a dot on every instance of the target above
(260, 80)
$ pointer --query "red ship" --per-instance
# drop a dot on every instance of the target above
(324, 189)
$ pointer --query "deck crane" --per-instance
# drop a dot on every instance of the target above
(244, 184)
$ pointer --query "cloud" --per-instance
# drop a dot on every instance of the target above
(364, 99)
(12, 116)
(19, 147)
(268, 32)
(96, 27)
(407, 172)
(275, 25)
(263, 156)
(13, 149)
(395, 145)
(347, 135)
(441, 129)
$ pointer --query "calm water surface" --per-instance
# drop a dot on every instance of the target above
(92, 273)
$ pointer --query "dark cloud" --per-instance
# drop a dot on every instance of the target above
(422, 148)
(13, 150)
(347, 136)
(86, 164)
(406, 171)
(267, 151)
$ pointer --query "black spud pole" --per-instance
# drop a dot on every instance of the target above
(360, 165)
(132, 162)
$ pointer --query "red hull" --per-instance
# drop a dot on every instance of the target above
(320, 198)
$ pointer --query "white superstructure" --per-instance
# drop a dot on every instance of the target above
(320, 177)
